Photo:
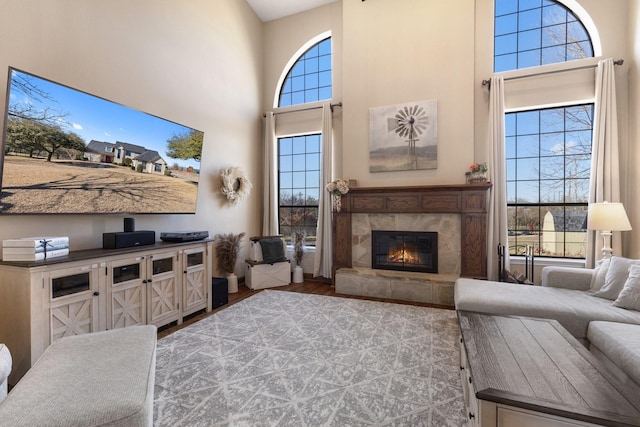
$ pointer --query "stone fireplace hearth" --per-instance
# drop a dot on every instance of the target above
(457, 213)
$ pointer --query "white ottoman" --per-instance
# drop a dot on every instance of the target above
(98, 379)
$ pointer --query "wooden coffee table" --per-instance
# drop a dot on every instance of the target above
(519, 371)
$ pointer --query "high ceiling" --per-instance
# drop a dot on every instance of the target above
(268, 10)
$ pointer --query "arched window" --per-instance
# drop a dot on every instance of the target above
(548, 147)
(529, 33)
(309, 79)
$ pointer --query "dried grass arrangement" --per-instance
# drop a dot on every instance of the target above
(298, 247)
(227, 249)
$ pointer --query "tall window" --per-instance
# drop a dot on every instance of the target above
(530, 33)
(548, 150)
(308, 80)
(299, 160)
(548, 164)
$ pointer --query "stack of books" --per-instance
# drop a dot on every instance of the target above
(34, 248)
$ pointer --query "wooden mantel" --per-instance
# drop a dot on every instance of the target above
(467, 200)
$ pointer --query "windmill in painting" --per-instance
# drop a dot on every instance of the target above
(403, 137)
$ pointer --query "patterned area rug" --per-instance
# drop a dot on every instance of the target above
(290, 359)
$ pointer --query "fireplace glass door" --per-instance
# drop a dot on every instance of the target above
(405, 250)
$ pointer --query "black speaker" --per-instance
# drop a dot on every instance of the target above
(219, 291)
(129, 225)
(128, 239)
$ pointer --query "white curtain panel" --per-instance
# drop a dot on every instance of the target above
(270, 178)
(497, 224)
(604, 184)
(324, 250)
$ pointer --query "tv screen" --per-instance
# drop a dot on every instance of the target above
(68, 152)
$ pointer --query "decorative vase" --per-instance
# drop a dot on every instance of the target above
(232, 283)
(337, 202)
(298, 275)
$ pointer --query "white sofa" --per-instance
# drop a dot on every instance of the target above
(568, 295)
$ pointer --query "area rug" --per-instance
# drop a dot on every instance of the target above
(291, 359)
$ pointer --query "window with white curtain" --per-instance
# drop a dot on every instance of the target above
(307, 82)
(548, 134)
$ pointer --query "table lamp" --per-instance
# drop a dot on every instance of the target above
(607, 217)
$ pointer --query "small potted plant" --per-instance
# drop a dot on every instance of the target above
(298, 253)
(477, 173)
(227, 249)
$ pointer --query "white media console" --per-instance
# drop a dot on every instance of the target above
(99, 289)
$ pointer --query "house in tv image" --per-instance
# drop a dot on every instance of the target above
(150, 161)
(99, 151)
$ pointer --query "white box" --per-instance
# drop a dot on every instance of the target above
(262, 276)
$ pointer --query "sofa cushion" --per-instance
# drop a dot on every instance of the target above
(579, 279)
(272, 250)
(573, 309)
(630, 295)
(600, 274)
(620, 343)
(616, 277)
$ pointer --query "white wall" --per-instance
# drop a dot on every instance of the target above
(403, 51)
(196, 62)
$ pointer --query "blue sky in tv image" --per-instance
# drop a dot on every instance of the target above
(95, 118)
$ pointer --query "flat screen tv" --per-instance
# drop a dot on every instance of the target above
(68, 152)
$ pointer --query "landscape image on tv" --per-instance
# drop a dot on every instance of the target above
(68, 152)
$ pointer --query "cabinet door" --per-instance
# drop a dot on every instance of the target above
(73, 295)
(194, 281)
(163, 292)
(126, 300)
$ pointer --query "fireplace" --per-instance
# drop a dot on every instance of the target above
(404, 250)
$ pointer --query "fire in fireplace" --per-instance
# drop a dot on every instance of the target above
(405, 250)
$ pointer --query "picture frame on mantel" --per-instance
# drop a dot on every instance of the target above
(403, 137)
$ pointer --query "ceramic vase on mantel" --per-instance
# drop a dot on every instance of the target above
(232, 283)
(337, 202)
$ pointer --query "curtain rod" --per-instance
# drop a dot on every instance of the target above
(488, 82)
(339, 104)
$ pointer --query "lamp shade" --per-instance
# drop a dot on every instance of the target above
(607, 217)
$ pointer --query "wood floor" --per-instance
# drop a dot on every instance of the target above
(309, 286)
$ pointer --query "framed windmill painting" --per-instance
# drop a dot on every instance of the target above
(403, 137)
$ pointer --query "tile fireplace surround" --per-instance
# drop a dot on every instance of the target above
(458, 213)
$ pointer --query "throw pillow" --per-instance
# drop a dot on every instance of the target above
(630, 295)
(616, 277)
(272, 250)
(599, 274)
